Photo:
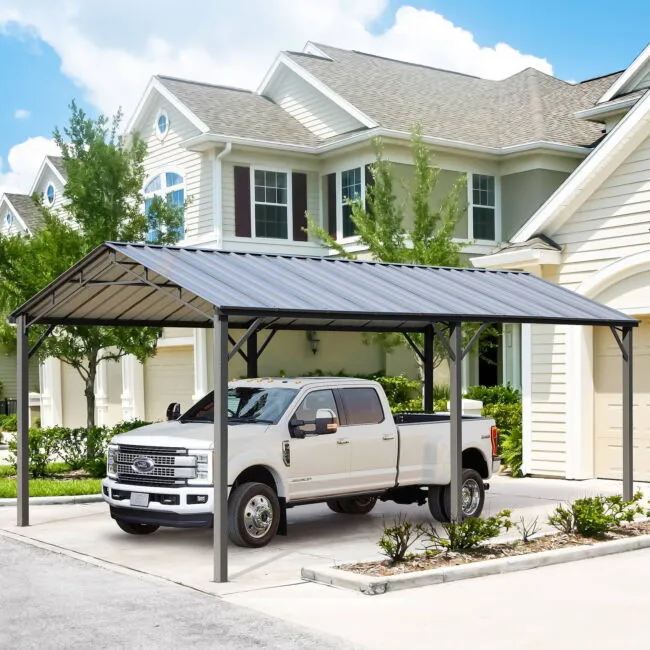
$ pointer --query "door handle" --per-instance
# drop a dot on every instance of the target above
(342, 441)
(388, 436)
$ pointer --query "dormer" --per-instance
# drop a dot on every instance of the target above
(19, 215)
(50, 182)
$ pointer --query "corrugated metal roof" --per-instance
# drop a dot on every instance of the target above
(143, 284)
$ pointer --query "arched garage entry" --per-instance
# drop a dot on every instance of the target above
(142, 285)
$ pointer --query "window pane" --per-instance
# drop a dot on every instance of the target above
(177, 198)
(348, 225)
(351, 184)
(318, 399)
(484, 223)
(259, 177)
(259, 194)
(362, 406)
(153, 185)
(483, 190)
(271, 221)
(173, 179)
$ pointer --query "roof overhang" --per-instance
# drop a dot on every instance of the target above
(625, 83)
(599, 112)
(521, 258)
(142, 285)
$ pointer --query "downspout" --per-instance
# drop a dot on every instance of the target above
(217, 206)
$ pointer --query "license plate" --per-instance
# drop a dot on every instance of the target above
(139, 499)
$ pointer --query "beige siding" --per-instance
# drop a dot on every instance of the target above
(522, 194)
(168, 377)
(196, 168)
(8, 374)
(610, 225)
(309, 106)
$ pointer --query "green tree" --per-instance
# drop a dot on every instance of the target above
(104, 202)
(381, 229)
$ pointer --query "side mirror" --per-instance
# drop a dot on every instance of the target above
(325, 422)
(174, 411)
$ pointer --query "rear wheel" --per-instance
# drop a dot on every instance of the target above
(335, 506)
(136, 529)
(253, 514)
(436, 503)
(472, 497)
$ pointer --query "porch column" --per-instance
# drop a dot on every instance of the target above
(101, 394)
(22, 451)
(200, 364)
(51, 396)
(132, 388)
(220, 447)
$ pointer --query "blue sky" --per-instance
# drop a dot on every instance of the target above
(48, 57)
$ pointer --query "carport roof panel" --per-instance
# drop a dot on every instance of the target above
(144, 284)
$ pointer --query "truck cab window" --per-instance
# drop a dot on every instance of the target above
(317, 399)
(362, 406)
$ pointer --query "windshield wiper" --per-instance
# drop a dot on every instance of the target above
(236, 420)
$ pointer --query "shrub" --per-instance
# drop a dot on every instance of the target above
(512, 451)
(42, 450)
(595, 516)
(9, 422)
(413, 405)
(494, 394)
(508, 418)
(128, 425)
(470, 533)
(441, 392)
(440, 405)
(527, 528)
(398, 538)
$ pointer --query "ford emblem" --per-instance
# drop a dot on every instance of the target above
(143, 465)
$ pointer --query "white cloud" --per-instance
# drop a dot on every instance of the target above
(22, 114)
(23, 162)
(110, 49)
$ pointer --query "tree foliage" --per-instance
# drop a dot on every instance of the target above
(103, 202)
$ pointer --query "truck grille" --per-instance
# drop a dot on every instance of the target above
(171, 466)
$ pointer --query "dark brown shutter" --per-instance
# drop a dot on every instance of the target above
(370, 182)
(242, 202)
(299, 199)
(331, 204)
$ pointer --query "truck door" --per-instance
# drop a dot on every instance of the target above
(373, 440)
(319, 465)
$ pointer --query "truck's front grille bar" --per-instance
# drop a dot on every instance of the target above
(169, 466)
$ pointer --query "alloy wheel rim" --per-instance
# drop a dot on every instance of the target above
(470, 496)
(258, 516)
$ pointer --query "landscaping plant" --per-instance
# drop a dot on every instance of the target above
(398, 538)
(595, 516)
(527, 528)
(469, 533)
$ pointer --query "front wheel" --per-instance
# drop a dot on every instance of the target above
(136, 529)
(253, 515)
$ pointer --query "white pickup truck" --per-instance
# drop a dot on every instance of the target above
(293, 442)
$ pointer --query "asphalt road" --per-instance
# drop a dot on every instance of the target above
(50, 601)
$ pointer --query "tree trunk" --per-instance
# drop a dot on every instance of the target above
(89, 392)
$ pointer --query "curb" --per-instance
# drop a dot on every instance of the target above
(47, 501)
(375, 585)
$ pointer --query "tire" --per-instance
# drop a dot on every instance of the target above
(335, 506)
(136, 529)
(253, 515)
(358, 505)
(435, 499)
(471, 479)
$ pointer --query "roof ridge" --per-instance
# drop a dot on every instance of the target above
(388, 58)
(205, 83)
(602, 76)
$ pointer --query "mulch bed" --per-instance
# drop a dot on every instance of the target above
(437, 560)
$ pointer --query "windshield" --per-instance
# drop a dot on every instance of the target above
(245, 404)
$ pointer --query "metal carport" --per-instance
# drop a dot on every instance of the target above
(143, 285)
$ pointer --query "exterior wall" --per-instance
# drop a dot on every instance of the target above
(523, 193)
(72, 397)
(195, 167)
(611, 225)
(309, 106)
(8, 374)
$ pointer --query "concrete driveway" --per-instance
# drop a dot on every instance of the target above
(317, 536)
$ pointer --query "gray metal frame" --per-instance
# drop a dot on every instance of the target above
(303, 319)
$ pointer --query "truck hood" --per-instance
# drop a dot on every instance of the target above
(191, 435)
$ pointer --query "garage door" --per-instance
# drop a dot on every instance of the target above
(168, 377)
(607, 406)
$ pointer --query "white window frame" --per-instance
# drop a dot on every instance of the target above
(159, 135)
(9, 218)
(164, 190)
(340, 203)
(470, 208)
(47, 200)
(277, 170)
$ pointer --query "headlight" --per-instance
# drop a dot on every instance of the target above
(203, 468)
(111, 465)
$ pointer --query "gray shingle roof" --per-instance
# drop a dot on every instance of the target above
(57, 162)
(27, 210)
(526, 107)
(239, 113)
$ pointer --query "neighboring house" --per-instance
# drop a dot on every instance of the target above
(591, 236)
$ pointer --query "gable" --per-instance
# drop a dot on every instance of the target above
(635, 77)
(11, 222)
(308, 105)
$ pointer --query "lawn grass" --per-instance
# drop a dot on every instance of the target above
(53, 468)
(46, 487)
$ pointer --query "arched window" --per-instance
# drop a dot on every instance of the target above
(169, 185)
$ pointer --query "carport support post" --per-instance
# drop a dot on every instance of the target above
(251, 355)
(628, 414)
(23, 422)
(456, 409)
(427, 362)
(220, 448)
